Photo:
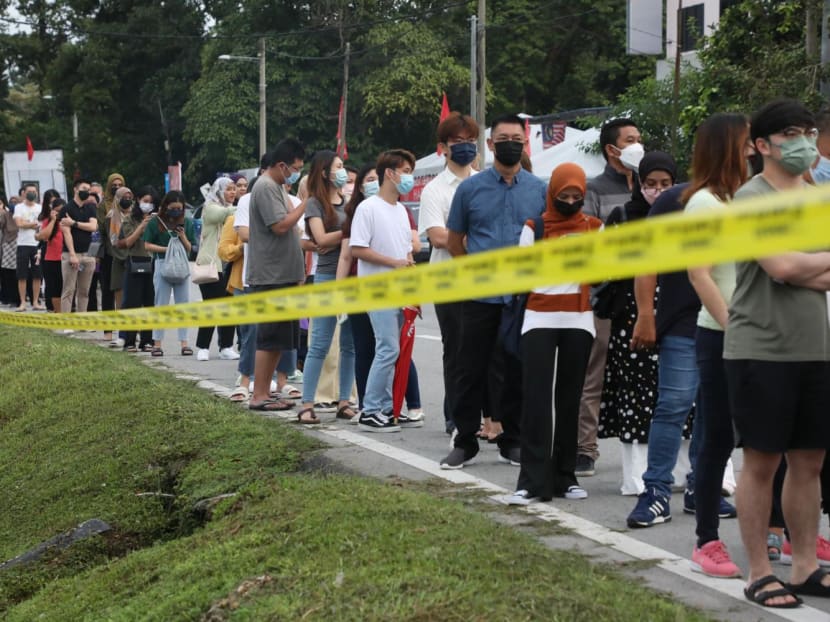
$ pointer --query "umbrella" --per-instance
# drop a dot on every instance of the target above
(404, 358)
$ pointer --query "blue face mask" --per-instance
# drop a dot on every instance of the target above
(341, 177)
(406, 183)
(463, 153)
(292, 178)
(371, 188)
(821, 174)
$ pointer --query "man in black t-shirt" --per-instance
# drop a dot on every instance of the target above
(78, 222)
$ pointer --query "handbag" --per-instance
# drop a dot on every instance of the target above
(140, 265)
(205, 274)
(607, 298)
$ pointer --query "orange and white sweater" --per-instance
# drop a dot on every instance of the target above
(559, 306)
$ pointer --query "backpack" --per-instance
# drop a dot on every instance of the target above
(175, 268)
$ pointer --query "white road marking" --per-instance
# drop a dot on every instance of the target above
(428, 337)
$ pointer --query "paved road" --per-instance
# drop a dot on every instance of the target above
(415, 453)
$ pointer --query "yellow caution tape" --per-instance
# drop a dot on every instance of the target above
(751, 228)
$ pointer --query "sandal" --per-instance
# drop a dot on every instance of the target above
(755, 594)
(313, 421)
(345, 412)
(130, 349)
(812, 586)
(156, 352)
(773, 546)
(290, 393)
(239, 394)
(270, 405)
(187, 351)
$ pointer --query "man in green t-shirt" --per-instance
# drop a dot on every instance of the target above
(777, 348)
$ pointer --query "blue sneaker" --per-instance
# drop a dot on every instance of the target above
(652, 509)
(725, 509)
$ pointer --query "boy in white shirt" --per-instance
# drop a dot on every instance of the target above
(381, 240)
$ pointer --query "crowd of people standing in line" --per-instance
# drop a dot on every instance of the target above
(723, 355)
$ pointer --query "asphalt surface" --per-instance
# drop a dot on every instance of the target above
(598, 522)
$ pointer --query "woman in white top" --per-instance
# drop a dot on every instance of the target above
(719, 168)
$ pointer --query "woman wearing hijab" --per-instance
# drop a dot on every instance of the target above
(557, 333)
(103, 275)
(219, 204)
(630, 391)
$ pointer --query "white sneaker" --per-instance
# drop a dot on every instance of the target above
(521, 497)
(576, 492)
(228, 354)
(415, 414)
(203, 354)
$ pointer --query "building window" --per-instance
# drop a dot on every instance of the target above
(691, 18)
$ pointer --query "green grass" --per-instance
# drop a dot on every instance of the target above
(82, 430)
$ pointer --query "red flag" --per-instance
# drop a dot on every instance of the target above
(445, 112)
(342, 150)
(30, 151)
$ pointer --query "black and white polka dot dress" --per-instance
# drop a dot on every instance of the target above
(630, 391)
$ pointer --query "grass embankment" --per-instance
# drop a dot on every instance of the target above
(83, 430)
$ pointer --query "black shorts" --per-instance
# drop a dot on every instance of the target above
(276, 336)
(26, 263)
(777, 406)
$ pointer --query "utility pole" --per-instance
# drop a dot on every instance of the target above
(345, 95)
(825, 47)
(263, 147)
(678, 46)
(473, 70)
(481, 73)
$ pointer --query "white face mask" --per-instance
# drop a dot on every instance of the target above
(821, 173)
(631, 156)
(146, 208)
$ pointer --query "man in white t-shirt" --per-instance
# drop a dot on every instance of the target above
(28, 259)
(457, 135)
(381, 241)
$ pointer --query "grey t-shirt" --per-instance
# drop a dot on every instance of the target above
(273, 259)
(770, 320)
(326, 263)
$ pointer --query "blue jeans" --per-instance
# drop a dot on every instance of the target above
(247, 349)
(163, 288)
(677, 388)
(386, 325)
(322, 332)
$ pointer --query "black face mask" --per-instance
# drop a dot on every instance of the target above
(125, 203)
(508, 152)
(568, 209)
(83, 195)
(31, 196)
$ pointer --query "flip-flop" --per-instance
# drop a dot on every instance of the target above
(302, 421)
(812, 586)
(187, 351)
(270, 405)
(156, 352)
(341, 413)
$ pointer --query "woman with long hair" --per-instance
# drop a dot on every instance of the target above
(51, 239)
(719, 168)
(218, 206)
(324, 216)
(170, 222)
(138, 265)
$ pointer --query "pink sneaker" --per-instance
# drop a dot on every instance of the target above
(822, 552)
(713, 559)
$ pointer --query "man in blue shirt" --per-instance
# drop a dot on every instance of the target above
(488, 212)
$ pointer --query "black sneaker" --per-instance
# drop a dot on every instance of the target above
(512, 456)
(457, 459)
(584, 466)
(376, 422)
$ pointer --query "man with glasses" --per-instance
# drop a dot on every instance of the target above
(275, 262)
(777, 358)
(488, 212)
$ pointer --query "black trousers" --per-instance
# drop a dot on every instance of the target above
(479, 347)
(449, 322)
(554, 361)
(211, 291)
(138, 292)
